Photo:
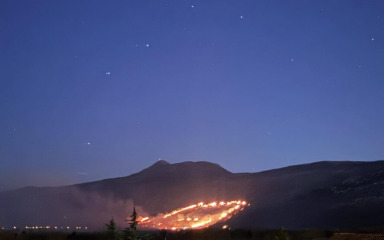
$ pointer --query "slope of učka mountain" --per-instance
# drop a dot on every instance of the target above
(334, 195)
(163, 186)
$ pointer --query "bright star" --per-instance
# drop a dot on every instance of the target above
(147, 45)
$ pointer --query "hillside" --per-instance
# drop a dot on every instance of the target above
(330, 195)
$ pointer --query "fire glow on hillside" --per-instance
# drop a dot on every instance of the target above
(196, 216)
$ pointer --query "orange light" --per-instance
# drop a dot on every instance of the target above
(195, 216)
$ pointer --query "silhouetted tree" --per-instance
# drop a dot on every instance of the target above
(133, 221)
(111, 230)
(281, 235)
(131, 232)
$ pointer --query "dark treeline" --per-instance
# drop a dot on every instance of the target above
(204, 234)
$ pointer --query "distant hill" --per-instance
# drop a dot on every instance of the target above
(333, 195)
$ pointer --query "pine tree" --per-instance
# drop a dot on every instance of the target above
(111, 230)
(131, 232)
(133, 221)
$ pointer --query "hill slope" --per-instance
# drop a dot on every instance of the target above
(318, 195)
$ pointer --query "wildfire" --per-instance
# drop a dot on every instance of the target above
(195, 216)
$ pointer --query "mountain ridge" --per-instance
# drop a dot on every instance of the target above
(323, 194)
(164, 162)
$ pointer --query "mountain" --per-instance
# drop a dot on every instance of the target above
(332, 195)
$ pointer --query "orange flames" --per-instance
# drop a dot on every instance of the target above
(195, 216)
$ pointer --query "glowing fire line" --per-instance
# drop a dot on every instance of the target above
(192, 216)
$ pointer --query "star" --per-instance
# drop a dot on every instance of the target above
(107, 73)
(241, 17)
(88, 143)
(147, 45)
(372, 39)
(192, 6)
(291, 59)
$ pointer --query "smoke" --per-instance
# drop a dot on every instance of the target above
(62, 207)
(94, 209)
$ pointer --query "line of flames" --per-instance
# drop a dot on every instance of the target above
(163, 221)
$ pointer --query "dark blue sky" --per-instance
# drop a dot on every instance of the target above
(98, 89)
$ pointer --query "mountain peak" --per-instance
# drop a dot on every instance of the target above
(163, 168)
(161, 162)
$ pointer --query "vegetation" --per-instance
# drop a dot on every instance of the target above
(111, 230)
(281, 235)
(129, 233)
(203, 234)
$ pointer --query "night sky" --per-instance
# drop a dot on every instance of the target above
(98, 89)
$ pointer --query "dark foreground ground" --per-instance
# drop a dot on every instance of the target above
(206, 234)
